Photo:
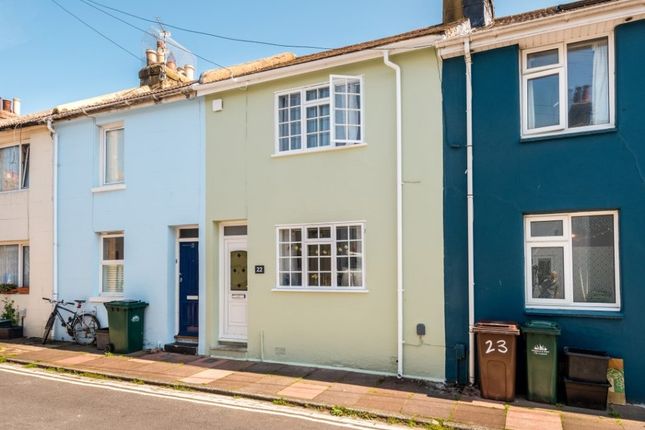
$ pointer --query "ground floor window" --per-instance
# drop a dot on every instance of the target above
(112, 259)
(14, 266)
(571, 260)
(321, 256)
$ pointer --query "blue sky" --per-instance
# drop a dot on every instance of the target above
(49, 58)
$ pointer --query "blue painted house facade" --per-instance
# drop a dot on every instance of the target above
(129, 204)
(559, 182)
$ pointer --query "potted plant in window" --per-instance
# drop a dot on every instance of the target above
(9, 328)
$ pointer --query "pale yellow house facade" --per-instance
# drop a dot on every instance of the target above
(301, 215)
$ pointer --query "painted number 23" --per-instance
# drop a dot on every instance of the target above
(501, 346)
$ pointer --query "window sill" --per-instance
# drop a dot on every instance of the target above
(568, 133)
(318, 150)
(321, 290)
(576, 313)
(105, 299)
(21, 190)
(106, 188)
(22, 290)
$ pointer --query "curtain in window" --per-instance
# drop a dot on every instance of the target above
(9, 264)
(25, 266)
(600, 76)
(530, 105)
(9, 168)
(113, 278)
(114, 156)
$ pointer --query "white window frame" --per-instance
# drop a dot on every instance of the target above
(103, 262)
(561, 69)
(21, 260)
(103, 130)
(305, 257)
(332, 116)
(21, 173)
(565, 242)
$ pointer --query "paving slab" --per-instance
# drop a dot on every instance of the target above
(381, 403)
(532, 419)
(78, 359)
(206, 376)
(303, 390)
(235, 381)
(479, 415)
(429, 407)
(268, 385)
(586, 422)
(338, 398)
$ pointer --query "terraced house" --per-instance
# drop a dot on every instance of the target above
(323, 202)
(554, 120)
(26, 220)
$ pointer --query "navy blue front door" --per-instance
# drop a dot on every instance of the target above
(188, 289)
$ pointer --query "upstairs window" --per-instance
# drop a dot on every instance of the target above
(572, 261)
(567, 87)
(14, 167)
(320, 116)
(112, 155)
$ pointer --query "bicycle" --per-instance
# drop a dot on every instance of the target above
(81, 325)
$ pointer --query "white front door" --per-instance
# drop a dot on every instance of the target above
(235, 289)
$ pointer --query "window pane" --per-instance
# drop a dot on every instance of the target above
(593, 259)
(114, 156)
(547, 273)
(543, 58)
(588, 83)
(235, 230)
(543, 101)
(25, 266)
(113, 278)
(112, 248)
(189, 233)
(546, 228)
(9, 168)
(9, 265)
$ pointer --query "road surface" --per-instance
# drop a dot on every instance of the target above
(34, 399)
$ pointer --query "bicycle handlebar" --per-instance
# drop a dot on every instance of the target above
(60, 302)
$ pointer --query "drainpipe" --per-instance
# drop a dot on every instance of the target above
(55, 210)
(471, 213)
(399, 215)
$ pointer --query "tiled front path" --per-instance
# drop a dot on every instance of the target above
(382, 395)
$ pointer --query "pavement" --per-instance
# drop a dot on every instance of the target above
(340, 392)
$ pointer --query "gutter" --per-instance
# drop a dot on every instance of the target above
(471, 212)
(55, 210)
(399, 215)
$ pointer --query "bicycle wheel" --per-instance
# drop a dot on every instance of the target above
(48, 327)
(84, 328)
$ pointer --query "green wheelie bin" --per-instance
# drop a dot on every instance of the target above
(125, 319)
(542, 360)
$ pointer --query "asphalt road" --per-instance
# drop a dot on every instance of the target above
(34, 400)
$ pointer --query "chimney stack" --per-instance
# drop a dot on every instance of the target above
(480, 13)
(9, 108)
(161, 69)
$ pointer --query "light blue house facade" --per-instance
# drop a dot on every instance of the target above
(128, 207)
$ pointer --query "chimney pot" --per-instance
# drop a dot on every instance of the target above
(151, 56)
(171, 64)
(6, 105)
(16, 105)
(189, 71)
